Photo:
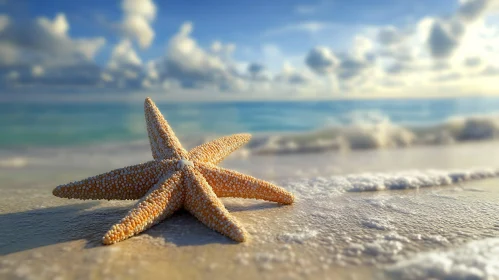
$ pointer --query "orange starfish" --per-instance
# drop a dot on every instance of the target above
(175, 179)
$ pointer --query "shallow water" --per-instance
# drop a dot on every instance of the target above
(354, 123)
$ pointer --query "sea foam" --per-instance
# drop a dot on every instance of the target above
(368, 182)
(380, 135)
(474, 260)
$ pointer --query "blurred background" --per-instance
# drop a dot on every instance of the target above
(303, 76)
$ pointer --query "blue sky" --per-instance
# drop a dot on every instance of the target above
(241, 22)
(249, 49)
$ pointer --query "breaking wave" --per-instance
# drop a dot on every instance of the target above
(380, 135)
(335, 185)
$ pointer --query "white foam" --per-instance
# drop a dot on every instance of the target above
(435, 238)
(365, 182)
(376, 223)
(383, 247)
(394, 236)
(298, 237)
(380, 134)
(475, 260)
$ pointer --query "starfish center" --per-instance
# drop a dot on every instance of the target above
(183, 163)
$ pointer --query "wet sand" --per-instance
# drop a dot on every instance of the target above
(326, 234)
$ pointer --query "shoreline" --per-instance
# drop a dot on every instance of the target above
(328, 232)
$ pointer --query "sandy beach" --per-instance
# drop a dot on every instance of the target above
(358, 215)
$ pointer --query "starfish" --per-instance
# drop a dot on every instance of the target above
(176, 179)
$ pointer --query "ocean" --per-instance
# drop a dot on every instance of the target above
(74, 124)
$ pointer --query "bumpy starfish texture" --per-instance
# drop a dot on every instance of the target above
(176, 179)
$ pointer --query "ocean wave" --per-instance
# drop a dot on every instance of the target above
(385, 181)
(415, 179)
(381, 135)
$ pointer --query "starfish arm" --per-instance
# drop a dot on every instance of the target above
(164, 143)
(164, 198)
(202, 202)
(229, 183)
(130, 182)
(216, 150)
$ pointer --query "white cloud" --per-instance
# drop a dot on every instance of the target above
(4, 21)
(139, 15)
(106, 77)
(192, 66)
(446, 35)
(291, 75)
(351, 66)
(322, 60)
(346, 71)
(142, 8)
(37, 71)
(89, 47)
(58, 26)
(362, 47)
(390, 36)
(46, 41)
(8, 53)
(457, 53)
(123, 55)
(42, 52)
(146, 83)
(152, 71)
(445, 53)
(125, 69)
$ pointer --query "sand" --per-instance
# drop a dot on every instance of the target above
(334, 230)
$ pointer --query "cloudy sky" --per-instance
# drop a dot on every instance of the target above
(247, 50)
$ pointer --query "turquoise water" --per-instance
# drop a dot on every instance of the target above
(30, 124)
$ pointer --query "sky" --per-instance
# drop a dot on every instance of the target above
(247, 50)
